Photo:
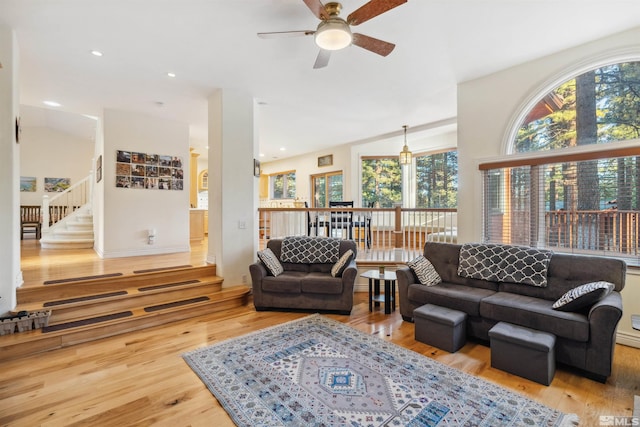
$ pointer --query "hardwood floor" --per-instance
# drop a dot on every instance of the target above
(139, 378)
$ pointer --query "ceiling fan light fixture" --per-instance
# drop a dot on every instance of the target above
(333, 34)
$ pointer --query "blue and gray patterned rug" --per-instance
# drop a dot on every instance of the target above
(319, 372)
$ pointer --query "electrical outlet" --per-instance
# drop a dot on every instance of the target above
(242, 225)
(244, 279)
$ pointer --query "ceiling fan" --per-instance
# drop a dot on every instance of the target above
(334, 33)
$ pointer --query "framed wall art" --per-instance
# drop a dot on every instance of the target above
(148, 171)
(325, 160)
(256, 168)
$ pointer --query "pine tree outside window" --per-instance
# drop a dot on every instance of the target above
(561, 195)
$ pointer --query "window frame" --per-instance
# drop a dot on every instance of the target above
(286, 190)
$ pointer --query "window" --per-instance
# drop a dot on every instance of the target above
(381, 181)
(437, 180)
(283, 185)
(325, 188)
(573, 200)
(597, 107)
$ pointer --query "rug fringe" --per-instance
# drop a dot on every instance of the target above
(570, 420)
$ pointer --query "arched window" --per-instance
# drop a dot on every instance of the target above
(573, 199)
(597, 107)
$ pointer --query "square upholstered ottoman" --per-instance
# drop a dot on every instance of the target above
(525, 352)
(440, 327)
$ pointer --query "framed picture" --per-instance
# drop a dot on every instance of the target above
(56, 185)
(256, 168)
(28, 183)
(325, 160)
(99, 169)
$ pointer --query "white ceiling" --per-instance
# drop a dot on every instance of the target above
(212, 44)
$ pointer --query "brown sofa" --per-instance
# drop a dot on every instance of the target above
(304, 286)
(585, 339)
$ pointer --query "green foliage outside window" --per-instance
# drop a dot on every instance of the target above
(283, 186)
(437, 180)
(381, 182)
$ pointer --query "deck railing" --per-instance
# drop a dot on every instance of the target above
(384, 235)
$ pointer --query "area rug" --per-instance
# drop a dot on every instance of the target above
(319, 372)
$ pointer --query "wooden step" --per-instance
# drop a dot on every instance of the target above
(95, 307)
(30, 342)
(78, 287)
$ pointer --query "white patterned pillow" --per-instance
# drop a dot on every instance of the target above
(521, 264)
(270, 260)
(341, 264)
(480, 261)
(583, 296)
(424, 271)
(310, 250)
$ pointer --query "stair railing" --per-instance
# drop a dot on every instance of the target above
(56, 208)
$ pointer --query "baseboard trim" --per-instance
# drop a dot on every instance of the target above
(141, 252)
(625, 338)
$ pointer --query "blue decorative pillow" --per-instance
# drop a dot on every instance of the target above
(583, 296)
(424, 271)
(271, 261)
(339, 267)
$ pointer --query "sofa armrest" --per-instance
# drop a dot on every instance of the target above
(603, 322)
(404, 278)
(349, 277)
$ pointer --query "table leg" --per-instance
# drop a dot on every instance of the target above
(376, 291)
(393, 294)
(370, 295)
(387, 296)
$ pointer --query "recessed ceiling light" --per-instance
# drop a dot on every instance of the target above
(282, 149)
(52, 103)
(171, 74)
(96, 53)
(261, 154)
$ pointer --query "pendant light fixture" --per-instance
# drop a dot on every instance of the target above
(405, 154)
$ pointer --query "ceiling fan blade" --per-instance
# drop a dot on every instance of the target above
(281, 34)
(371, 10)
(317, 8)
(380, 47)
(322, 60)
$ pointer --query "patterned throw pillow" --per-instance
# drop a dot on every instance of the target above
(339, 267)
(270, 260)
(480, 261)
(310, 250)
(521, 264)
(425, 271)
(583, 296)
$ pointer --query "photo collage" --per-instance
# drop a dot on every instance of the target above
(148, 171)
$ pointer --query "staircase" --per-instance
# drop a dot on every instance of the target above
(90, 308)
(75, 231)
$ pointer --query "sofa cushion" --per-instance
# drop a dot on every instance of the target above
(524, 265)
(270, 261)
(456, 297)
(310, 250)
(424, 271)
(535, 313)
(321, 283)
(583, 296)
(341, 264)
(287, 282)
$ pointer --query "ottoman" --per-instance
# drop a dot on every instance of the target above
(440, 327)
(524, 352)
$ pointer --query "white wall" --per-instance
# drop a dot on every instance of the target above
(45, 152)
(233, 189)
(130, 213)
(10, 274)
(490, 107)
